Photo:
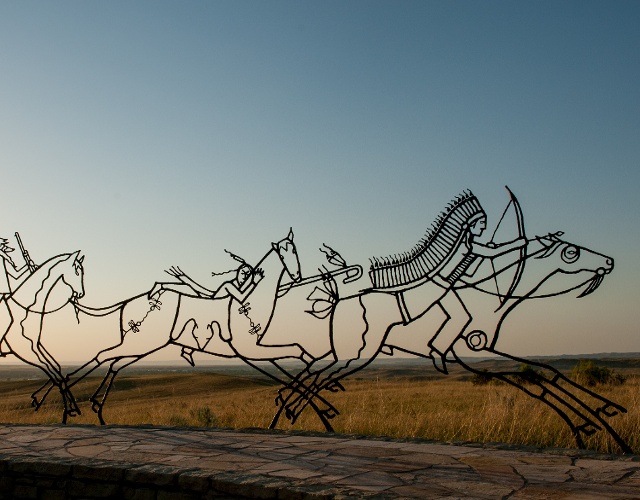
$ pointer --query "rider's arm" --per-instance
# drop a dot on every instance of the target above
(19, 271)
(199, 289)
(230, 289)
(176, 272)
(492, 250)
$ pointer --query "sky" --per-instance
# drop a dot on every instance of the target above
(149, 134)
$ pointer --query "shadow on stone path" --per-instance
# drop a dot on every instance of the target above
(55, 461)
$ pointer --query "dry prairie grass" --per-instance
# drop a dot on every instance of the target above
(442, 409)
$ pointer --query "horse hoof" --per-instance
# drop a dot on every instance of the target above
(607, 411)
(588, 429)
(95, 406)
(294, 418)
(330, 413)
(335, 387)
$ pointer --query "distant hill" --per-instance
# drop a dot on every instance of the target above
(383, 367)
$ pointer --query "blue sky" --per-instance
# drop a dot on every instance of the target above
(151, 134)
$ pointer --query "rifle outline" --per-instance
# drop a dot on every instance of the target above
(25, 254)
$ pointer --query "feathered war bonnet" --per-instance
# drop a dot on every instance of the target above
(433, 250)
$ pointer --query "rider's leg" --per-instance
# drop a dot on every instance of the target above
(6, 320)
(180, 288)
(458, 320)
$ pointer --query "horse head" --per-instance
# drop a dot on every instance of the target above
(288, 254)
(68, 285)
(52, 285)
(73, 275)
(570, 259)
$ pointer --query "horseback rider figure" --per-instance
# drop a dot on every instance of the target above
(7, 285)
(9, 270)
(446, 254)
(239, 288)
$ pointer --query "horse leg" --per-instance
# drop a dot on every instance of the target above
(322, 416)
(557, 389)
(36, 399)
(276, 417)
(322, 413)
(69, 401)
(311, 396)
(303, 383)
(258, 352)
(97, 399)
(549, 386)
(370, 314)
(48, 358)
(303, 391)
(70, 406)
(22, 348)
(79, 373)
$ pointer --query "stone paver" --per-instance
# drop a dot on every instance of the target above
(285, 465)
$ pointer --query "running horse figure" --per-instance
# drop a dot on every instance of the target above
(217, 326)
(361, 326)
(553, 267)
(54, 284)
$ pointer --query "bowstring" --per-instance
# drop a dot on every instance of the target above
(493, 266)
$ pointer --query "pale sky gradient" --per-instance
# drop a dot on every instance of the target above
(151, 133)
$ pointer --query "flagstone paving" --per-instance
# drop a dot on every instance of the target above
(55, 461)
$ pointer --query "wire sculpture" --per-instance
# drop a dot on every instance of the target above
(434, 286)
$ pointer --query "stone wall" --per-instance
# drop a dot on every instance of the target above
(33, 479)
(53, 462)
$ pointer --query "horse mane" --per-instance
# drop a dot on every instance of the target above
(34, 284)
(433, 250)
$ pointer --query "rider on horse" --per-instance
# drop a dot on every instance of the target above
(238, 288)
(447, 252)
(9, 269)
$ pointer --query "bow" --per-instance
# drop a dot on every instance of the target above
(522, 252)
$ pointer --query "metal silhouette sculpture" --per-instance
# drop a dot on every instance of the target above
(188, 315)
(433, 285)
(432, 291)
(47, 289)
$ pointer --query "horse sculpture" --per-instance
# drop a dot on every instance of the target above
(399, 316)
(219, 327)
(363, 325)
(54, 284)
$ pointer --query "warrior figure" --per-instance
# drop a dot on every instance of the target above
(238, 288)
(17, 275)
(446, 254)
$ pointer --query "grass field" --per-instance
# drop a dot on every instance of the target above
(388, 402)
